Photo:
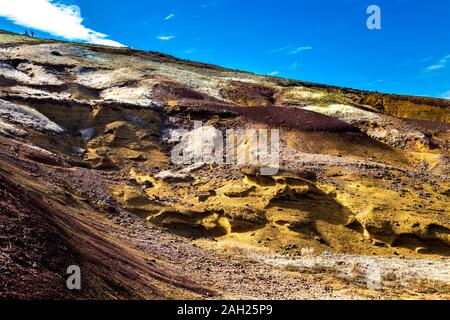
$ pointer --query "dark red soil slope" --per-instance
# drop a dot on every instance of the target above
(39, 239)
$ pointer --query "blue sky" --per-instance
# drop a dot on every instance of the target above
(322, 41)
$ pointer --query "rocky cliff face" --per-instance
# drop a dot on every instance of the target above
(87, 176)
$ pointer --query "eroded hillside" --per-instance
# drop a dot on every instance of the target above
(87, 178)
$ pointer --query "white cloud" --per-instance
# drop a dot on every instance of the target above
(190, 51)
(278, 50)
(434, 67)
(169, 17)
(54, 18)
(300, 49)
(376, 81)
(289, 50)
(274, 73)
(165, 38)
(445, 59)
(442, 63)
(295, 66)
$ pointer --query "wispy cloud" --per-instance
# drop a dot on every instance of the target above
(289, 50)
(274, 73)
(54, 18)
(375, 82)
(434, 67)
(190, 51)
(169, 17)
(438, 65)
(300, 49)
(445, 59)
(277, 50)
(165, 38)
(295, 66)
